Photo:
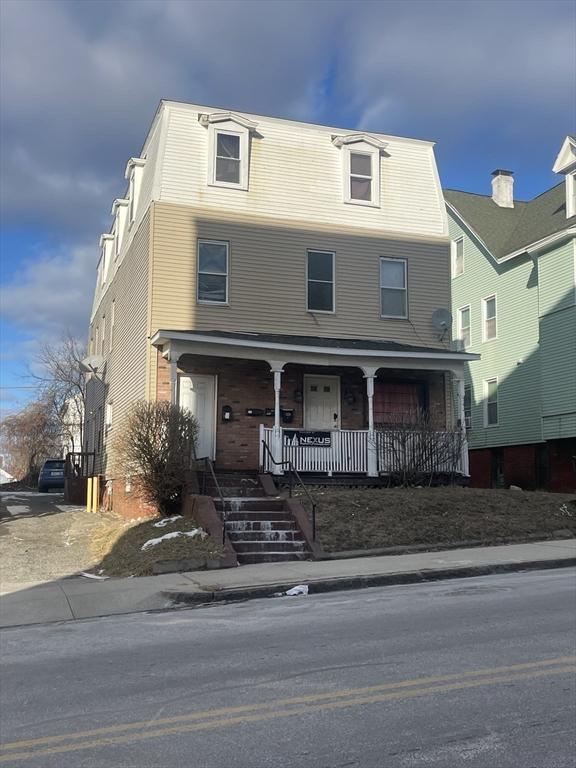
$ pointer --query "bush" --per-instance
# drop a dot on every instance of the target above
(157, 443)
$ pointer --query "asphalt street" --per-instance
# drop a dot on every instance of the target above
(475, 672)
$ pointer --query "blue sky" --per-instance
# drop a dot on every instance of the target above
(493, 82)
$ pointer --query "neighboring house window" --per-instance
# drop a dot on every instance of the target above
(393, 288)
(491, 402)
(489, 311)
(468, 407)
(458, 257)
(108, 416)
(103, 347)
(464, 322)
(570, 195)
(131, 204)
(320, 278)
(212, 272)
(112, 321)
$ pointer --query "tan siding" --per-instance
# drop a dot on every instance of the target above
(124, 379)
(268, 278)
(296, 172)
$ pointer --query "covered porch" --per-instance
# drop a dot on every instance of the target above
(329, 406)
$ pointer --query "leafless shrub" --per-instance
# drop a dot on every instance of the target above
(29, 437)
(418, 449)
(157, 444)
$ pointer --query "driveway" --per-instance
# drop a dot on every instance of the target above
(41, 539)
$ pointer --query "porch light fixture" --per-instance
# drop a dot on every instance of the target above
(298, 396)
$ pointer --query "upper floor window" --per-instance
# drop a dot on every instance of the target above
(361, 167)
(131, 200)
(112, 321)
(228, 148)
(393, 288)
(491, 402)
(468, 407)
(458, 257)
(212, 272)
(228, 159)
(464, 326)
(489, 312)
(360, 177)
(570, 194)
(320, 274)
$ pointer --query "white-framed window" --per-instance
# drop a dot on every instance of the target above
(490, 329)
(320, 290)
(212, 282)
(96, 340)
(464, 326)
(468, 407)
(458, 257)
(362, 176)
(491, 402)
(116, 234)
(393, 288)
(229, 157)
(103, 339)
(112, 321)
(108, 423)
(570, 194)
(131, 199)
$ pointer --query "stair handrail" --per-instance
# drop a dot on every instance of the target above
(292, 471)
(209, 464)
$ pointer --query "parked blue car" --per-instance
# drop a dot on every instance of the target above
(51, 475)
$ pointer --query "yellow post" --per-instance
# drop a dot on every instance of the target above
(96, 494)
(89, 495)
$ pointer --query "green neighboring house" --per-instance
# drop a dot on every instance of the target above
(514, 302)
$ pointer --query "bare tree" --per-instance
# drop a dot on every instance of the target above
(157, 444)
(29, 437)
(62, 384)
(418, 449)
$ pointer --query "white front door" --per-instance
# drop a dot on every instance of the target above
(321, 402)
(198, 395)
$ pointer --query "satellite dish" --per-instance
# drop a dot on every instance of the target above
(442, 320)
(92, 363)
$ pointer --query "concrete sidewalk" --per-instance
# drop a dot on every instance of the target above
(81, 598)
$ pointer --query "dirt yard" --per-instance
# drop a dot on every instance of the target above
(350, 519)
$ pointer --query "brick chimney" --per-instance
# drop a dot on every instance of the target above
(503, 188)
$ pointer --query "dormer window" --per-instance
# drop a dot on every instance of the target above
(361, 177)
(228, 161)
(133, 172)
(228, 149)
(570, 194)
(566, 165)
(361, 168)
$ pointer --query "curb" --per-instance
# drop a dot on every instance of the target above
(237, 594)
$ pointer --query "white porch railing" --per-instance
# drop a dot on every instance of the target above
(349, 452)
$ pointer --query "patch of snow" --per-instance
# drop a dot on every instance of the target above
(166, 521)
(173, 535)
(17, 509)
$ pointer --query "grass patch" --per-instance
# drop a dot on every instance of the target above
(117, 543)
(367, 518)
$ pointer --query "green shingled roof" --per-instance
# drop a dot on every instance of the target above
(505, 230)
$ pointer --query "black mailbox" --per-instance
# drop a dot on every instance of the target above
(287, 415)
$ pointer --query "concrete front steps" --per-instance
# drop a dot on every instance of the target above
(262, 530)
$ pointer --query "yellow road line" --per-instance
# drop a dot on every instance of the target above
(287, 712)
(347, 692)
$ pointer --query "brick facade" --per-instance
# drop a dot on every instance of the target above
(244, 384)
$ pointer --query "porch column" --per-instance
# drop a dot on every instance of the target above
(461, 416)
(277, 369)
(372, 452)
(173, 382)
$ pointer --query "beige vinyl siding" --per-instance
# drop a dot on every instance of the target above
(296, 172)
(267, 278)
(125, 376)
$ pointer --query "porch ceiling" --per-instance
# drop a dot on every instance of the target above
(277, 350)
